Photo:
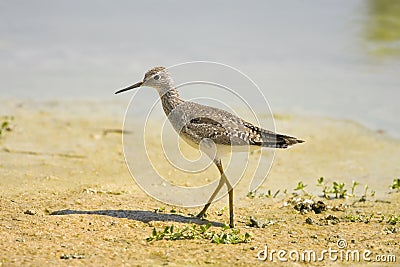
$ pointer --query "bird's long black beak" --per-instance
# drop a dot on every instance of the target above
(130, 87)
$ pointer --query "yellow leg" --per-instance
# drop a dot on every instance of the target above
(230, 193)
(220, 184)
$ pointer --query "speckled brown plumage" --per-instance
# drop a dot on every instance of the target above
(153, 71)
(198, 124)
(195, 122)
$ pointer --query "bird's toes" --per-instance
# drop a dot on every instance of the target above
(201, 215)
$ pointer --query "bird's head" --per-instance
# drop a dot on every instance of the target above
(157, 78)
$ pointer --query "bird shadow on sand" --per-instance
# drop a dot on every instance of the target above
(139, 215)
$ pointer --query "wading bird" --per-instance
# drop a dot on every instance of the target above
(214, 131)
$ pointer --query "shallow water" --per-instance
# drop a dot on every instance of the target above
(340, 59)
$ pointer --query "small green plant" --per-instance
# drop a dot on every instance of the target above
(176, 233)
(268, 194)
(365, 195)
(6, 125)
(325, 189)
(320, 181)
(251, 194)
(159, 209)
(352, 218)
(234, 237)
(395, 185)
(168, 234)
(225, 236)
(338, 190)
(365, 218)
(301, 186)
(393, 219)
(221, 211)
(353, 187)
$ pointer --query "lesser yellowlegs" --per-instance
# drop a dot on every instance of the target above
(214, 131)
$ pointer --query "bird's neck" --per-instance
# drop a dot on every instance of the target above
(170, 99)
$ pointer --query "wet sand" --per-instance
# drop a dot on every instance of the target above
(65, 190)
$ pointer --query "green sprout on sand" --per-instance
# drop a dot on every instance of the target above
(366, 190)
(6, 125)
(353, 187)
(365, 218)
(159, 209)
(173, 210)
(364, 196)
(251, 194)
(301, 186)
(268, 194)
(232, 237)
(337, 188)
(395, 185)
(325, 188)
(225, 236)
(393, 219)
(221, 211)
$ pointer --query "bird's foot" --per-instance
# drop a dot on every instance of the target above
(201, 215)
(231, 221)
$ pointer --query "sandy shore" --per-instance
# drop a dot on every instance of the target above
(65, 191)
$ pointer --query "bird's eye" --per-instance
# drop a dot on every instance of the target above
(156, 77)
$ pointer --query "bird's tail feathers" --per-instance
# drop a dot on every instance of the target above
(274, 140)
